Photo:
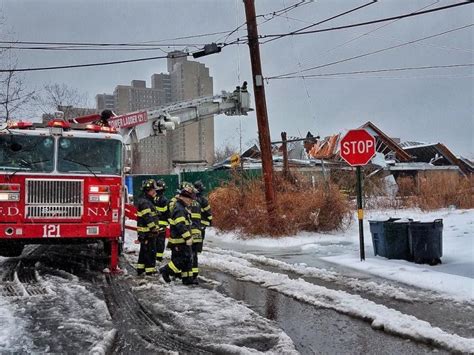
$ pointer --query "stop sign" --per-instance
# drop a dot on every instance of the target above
(357, 147)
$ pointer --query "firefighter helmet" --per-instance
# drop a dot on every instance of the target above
(160, 185)
(148, 185)
(187, 190)
(199, 186)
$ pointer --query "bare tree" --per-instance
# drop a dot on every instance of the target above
(14, 95)
(61, 97)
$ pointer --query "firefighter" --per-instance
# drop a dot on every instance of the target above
(104, 118)
(206, 214)
(161, 204)
(181, 240)
(147, 222)
(201, 214)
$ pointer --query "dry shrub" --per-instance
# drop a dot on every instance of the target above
(406, 186)
(299, 207)
(443, 190)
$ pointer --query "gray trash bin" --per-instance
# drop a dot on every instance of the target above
(377, 230)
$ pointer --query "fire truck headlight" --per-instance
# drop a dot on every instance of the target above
(9, 196)
(99, 198)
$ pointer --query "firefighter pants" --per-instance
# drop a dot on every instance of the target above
(181, 262)
(197, 248)
(160, 244)
(146, 256)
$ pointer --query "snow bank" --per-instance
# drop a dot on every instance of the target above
(382, 289)
(459, 288)
(381, 317)
(454, 277)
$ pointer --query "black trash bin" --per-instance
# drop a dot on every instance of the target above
(397, 244)
(426, 242)
(377, 230)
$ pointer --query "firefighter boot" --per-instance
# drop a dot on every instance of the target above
(165, 274)
(188, 280)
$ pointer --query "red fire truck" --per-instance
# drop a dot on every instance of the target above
(64, 182)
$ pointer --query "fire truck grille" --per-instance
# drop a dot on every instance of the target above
(54, 198)
(53, 211)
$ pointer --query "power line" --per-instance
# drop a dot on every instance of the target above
(371, 53)
(273, 14)
(87, 48)
(375, 29)
(89, 64)
(299, 32)
(377, 71)
(117, 44)
(317, 23)
(444, 76)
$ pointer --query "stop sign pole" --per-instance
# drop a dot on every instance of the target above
(357, 149)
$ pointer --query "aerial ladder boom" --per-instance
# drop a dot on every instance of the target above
(138, 125)
(170, 117)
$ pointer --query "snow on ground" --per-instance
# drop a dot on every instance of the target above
(381, 289)
(454, 277)
(220, 322)
(381, 317)
(66, 318)
(13, 338)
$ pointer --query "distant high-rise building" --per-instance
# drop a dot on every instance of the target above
(137, 96)
(193, 142)
(162, 82)
(105, 102)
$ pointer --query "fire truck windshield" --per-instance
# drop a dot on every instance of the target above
(89, 155)
(26, 153)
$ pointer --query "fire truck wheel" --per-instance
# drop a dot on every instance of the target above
(9, 249)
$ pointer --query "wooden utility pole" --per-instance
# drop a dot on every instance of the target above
(284, 146)
(260, 106)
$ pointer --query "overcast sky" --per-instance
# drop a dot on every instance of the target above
(434, 105)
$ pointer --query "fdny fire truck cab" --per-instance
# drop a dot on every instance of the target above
(61, 184)
(64, 182)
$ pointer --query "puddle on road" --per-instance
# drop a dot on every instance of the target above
(315, 330)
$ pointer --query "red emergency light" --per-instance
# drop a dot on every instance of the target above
(59, 123)
(97, 128)
(20, 125)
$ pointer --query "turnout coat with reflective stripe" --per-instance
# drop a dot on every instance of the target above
(147, 219)
(180, 223)
(195, 209)
(206, 214)
(161, 206)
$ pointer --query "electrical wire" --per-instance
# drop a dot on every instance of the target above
(88, 64)
(446, 76)
(272, 15)
(298, 60)
(118, 44)
(87, 49)
(317, 23)
(301, 32)
(371, 53)
(310, 76)
(375, 29)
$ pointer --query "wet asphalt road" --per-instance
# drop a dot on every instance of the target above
(315, 330)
